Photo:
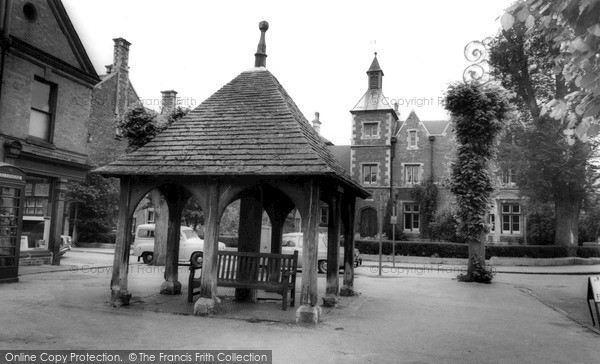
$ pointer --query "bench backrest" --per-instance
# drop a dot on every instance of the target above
(255, 267)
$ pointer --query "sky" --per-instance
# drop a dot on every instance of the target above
(318, 50)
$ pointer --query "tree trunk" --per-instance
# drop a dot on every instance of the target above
(567, 206)
(476, 252)
(161, 220)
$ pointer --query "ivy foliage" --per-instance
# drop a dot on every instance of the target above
(426, 195)
(478, 112)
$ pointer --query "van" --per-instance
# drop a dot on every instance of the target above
(295, 241)
(189, 243)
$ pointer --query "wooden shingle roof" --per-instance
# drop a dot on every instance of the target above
(251, 126)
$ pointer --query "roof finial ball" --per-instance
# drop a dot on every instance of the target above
(263, 26)
(260, 57)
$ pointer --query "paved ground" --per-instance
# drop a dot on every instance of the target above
(405, 316)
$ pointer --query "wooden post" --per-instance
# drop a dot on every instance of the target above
(171, 285)
(309, 310)
(208, 282)
(250, 225)
(348, 223)
(310, 226)
(118, 283)
(161, 221)
(333, 247)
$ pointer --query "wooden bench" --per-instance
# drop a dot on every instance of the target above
(265, 271)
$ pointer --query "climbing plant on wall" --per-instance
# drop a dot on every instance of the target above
(426, 196)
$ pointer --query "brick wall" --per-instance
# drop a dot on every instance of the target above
(72, 106)
(44, 33)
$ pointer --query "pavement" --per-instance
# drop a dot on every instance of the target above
(410, 314)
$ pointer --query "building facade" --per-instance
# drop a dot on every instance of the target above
(390, 157)
(46, 82)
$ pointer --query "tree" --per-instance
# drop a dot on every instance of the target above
(573, 27)
(139, 126)
(477, 112)
(100, 197)
(552, 164)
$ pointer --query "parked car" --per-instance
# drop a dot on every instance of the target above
(65, 244)
(189, 244)
(295, 241)
(357, 258)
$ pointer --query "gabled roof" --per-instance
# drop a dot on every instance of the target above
(73, 38)
(432, 127)
(436, 127)
(251, 126)
(342, 155)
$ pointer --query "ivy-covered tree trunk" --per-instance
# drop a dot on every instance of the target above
(477, 112)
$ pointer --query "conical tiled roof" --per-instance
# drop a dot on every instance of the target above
(375, 65)
(251, 126)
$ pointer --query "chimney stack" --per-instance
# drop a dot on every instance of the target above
(169, 101)
(317, 123)
(121, 54)
(121, 68)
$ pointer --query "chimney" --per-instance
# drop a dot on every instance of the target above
(108, 68)
(121, 54)
(121, 68)
(260, 57)
(169, 101)
(317, 123)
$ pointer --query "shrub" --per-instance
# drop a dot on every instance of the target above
(589, 227)
(452, 250)
(541, 227)
(443, 227)
(480, 273)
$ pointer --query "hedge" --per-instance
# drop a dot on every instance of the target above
(456, 250)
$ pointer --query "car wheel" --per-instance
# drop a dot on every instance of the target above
(148, 257)
(322, 266)
(197, 258)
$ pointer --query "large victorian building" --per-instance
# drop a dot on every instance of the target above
(390, 157)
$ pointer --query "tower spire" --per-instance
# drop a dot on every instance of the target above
(375, 75)
(260, 57)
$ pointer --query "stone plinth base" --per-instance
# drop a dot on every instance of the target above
(331, 300)
(308, 314)
(171, 288)
(119, 298)
(347, 291)
(205, 306)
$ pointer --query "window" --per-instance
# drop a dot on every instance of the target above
(42, 110)
(370, 130)
(30, 12)
(150, 215)
(370, 174)
(411, 217)
(509, 176)
(411, 173)
(413, 139)
(324, 219)
(511, 218)
(37, 198)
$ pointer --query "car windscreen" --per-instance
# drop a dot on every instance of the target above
(189, 234)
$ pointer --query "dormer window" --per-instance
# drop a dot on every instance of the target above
(370, 130)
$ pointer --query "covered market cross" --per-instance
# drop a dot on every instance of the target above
(248, 141)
